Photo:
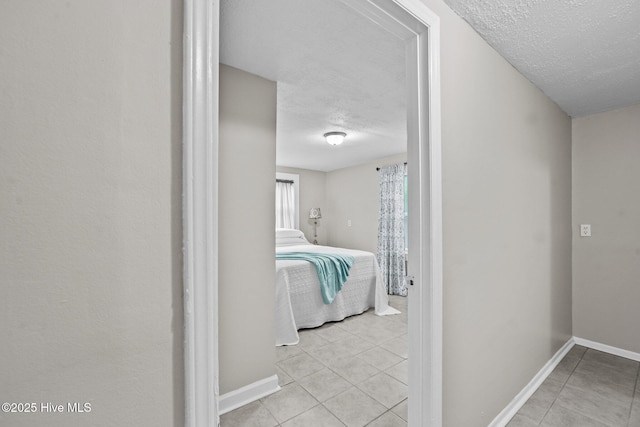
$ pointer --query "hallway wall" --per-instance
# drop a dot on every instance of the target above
(507, 226)
(90, 208)
(606, 266)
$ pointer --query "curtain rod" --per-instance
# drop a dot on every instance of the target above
(379, 168)
(285, 181)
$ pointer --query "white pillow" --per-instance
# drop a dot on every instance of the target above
(290, 237)
(288, 232)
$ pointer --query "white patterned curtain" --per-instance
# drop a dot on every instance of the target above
(285, 204)
(391, 220)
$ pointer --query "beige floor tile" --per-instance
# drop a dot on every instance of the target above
(622, 378)
(522, 421)
(397, 346)
(378, 335)
(577, 351)
(402, 317)
(380, 358)
(318, 416)
(332, 358)
(283, 377)
(634, 420)
(324, 384)
(332, 332)
(614, 387)
(385, 389)
(388, 419)
(596, 389)
(400, 371)
(286, 351)
(309, 339)
(252, 415)
(290, 401)
(300, 366)
(352, 345)
(559, 416)
(355, 323)
(329, 354)
(354, 408)
(395, 328)
(354, 370)
(594, 405)
(540, 402)
(564, 369)
(627, 366)
(402, 410)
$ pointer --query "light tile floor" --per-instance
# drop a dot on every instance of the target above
(354, 373)
(351, 373)
(588, 388)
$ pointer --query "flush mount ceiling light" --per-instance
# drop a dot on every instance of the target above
(335, 138)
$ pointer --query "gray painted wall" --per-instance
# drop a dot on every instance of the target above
(90, 208)
(606, 266)
(91, 264)
(354, 194)
(246, 201)
(507, 226)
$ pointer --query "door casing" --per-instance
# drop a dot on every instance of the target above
(421, 27)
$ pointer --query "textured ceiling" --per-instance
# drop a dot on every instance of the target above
(339, 71)
(584, 54)
(335, 70)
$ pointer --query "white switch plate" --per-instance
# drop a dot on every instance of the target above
(585, 230)
(348, 223)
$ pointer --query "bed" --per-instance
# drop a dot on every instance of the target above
(299, 303)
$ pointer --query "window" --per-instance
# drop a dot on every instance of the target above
(287, 201)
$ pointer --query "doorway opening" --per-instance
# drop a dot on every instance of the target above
(200, 97)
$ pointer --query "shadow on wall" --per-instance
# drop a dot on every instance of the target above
(177, 323)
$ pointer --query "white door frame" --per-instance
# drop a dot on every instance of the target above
(200, 212)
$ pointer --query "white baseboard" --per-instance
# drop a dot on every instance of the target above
(514, 406)
(247, 394)
(521, 398)
(608, 349)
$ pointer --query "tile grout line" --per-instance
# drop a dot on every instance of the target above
(352, 385)
(356, 385)
(633, 396)
(376, 343)
(636, 390)
(562, 388)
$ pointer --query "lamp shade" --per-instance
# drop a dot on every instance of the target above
(335, 138)
(314, 213)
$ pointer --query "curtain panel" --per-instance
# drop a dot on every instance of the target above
(391, 242)
(285, 204)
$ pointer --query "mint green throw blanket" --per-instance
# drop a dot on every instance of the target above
(333, 270)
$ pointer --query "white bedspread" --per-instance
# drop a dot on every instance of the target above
(299, 302)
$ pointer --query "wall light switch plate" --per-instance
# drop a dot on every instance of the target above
(585, 230)
(348, 223)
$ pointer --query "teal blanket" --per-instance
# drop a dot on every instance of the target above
(333, 270)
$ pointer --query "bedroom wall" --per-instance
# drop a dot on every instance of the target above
(507, 226)
(354, 194)
(247, 156)
(90, 211)
(606, 266)
(312, 195)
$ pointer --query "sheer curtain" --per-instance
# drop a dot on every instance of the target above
(285, 204)
(391, 222)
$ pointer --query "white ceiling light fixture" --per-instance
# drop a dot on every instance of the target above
(335, 138)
